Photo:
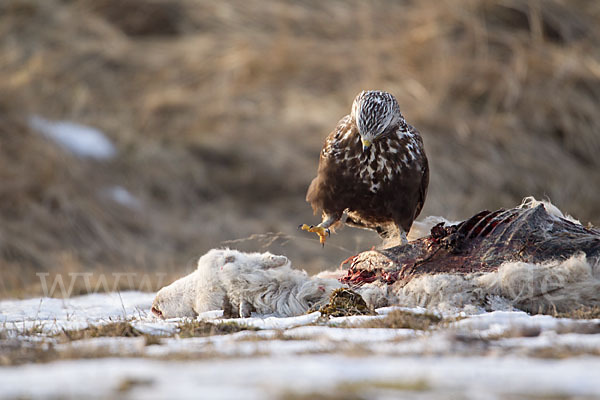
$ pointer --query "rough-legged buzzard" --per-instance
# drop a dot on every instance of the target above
(373, 172)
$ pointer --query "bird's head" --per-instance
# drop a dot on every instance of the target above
(375, 112)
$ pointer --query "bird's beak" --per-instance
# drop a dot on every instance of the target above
(366, 144)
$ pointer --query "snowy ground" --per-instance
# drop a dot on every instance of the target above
(492, 355)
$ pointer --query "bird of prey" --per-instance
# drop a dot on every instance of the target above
(373, 171)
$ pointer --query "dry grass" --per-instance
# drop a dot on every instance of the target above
(561, 352)
(113, 329)
(344, 302)
(17, 351)
(194, 328)
(128, 384)
(219, 110)
(399, 319)
(186, 329)
(363, 390)
(581, 313)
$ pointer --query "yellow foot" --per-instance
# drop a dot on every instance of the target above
(322, 232)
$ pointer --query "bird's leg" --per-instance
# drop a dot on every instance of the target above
(322, 229)
(403, 238)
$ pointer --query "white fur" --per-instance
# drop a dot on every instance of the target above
(422, 228)
(249, 282)
(552, 286)
(178, 299)
(531, 202)
(266, 283)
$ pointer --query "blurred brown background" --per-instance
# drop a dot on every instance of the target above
(218, 110)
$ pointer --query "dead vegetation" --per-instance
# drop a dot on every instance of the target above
(344, 302)
(561, 352)
(400, 319)
(581, 313)
(113, 329)
(195, 328)
(128, 384)
(21, 350)
(363, 390)
(17, 352)
(218, 111)
(185, 329)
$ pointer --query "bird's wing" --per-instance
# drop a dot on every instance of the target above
(423, 188)
(321, 190)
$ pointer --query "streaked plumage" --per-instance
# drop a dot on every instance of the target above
(373, 165)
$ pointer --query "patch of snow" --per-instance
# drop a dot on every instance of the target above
(155, 328)
(275, 322)
(272, 377)
(497, 322)
(353, 320)
(53, 315)
(354, 335)
(424, 343)
(228, 346)
(123, 346)
(386, 310)
(553, 340)
(81, 140)
(123, 197)
(300, 355)
(412, 310)
(210, 315)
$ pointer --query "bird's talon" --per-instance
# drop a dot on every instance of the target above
(305, 227)
(322, 232)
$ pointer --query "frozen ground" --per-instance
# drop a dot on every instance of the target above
(491, 355)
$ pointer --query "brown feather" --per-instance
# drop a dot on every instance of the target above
(385, 185)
